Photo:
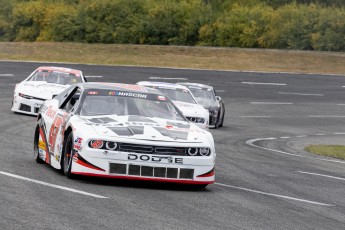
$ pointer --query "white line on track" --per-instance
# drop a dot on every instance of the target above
(302, 136)
(340, 104)
(339, 133)
(320, 134)
(261, 83)
(51, 185)
(270, 103)
(256, 116)
(220, 91)
(322, 175)
(302, 94)
(6, 75)
(93, 76)
(168, 78)
(326, 116)
(275, 195)
(251, 143)
(284, 137)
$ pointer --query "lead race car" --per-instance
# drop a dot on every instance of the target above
(42, 84)
(184, 100)
(122, 131)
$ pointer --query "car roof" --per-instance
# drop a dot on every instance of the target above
(161, 84)
(59, 69)
(118, 86)
(195, 84)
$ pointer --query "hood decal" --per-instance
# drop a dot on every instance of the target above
(172, 133)
(102, 120)
(127, 131)
(179, 125)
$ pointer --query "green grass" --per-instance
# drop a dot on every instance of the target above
(177, 56)
(335, 151)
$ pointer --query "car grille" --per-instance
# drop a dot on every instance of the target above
(149, 171)
(24, 107)
(148, 149)
(196, 119)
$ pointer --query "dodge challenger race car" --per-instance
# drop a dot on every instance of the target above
(42, 84)
(205, 96)
(122, 131)
(184, 100)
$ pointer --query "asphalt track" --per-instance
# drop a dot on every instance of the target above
(264, 178)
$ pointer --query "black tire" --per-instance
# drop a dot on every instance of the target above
(221, 124)
(200, 186)
(67, 155)
(36, 149)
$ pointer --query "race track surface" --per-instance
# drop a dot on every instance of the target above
(264, 178)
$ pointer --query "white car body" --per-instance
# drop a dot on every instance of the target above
(147, 148)
(30, 94)
(194, 112)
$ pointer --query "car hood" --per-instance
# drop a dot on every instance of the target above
(191, 110)
(40, 89)
(212, 107)
(145, 128)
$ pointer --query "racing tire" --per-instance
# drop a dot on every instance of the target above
(36, 149)
(67, 156)
(221, 124)
(200, 186)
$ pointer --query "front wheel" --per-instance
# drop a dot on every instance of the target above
(68, 153)
(36, 145)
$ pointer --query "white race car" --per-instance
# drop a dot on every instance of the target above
(122, 131)
(42, 84)
(184, 100)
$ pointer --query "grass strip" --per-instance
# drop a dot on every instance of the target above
(335, 151)
(214, 58)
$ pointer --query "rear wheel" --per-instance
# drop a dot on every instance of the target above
(36, 144)
(68, 153)
(221, 124)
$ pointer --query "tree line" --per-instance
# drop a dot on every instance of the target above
(282, 24)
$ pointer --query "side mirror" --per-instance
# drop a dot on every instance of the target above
(218, 98)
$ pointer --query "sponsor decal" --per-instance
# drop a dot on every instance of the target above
(154, 158)
(77, 143)
(50, 112)
(112, 93)
(41, 145)
(161, 98)
(75, 157)
(57, 158)
(92, 92)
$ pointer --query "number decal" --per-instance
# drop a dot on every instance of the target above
(58, 121)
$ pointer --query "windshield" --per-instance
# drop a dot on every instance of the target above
(105, 102)
(177, 94)
(56, 77)
(204, 96)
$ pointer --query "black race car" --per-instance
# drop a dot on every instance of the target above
(205, 95)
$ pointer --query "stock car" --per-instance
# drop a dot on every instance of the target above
(122, 131)
(184, 100)
(42, 84)
(206, 96)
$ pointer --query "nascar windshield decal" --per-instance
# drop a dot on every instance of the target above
(120, 93)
